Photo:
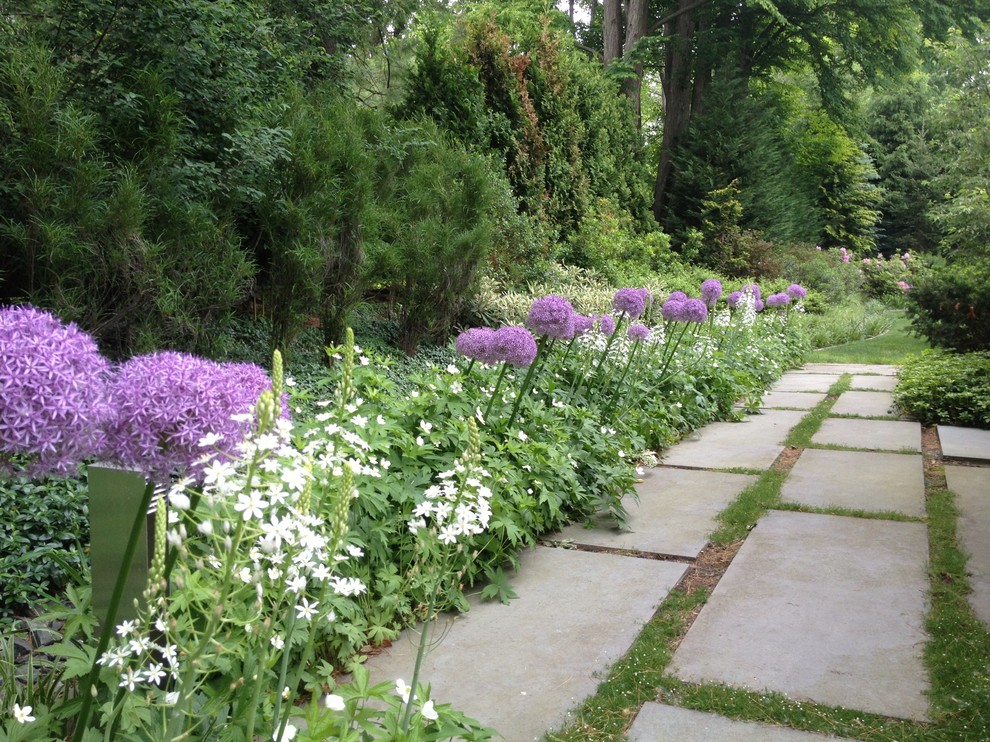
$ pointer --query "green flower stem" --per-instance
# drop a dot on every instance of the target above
(543, 348)
(283, 671)
(420, 653)
(498, 386)
(613, 398)
(86, 689)
(608, 345)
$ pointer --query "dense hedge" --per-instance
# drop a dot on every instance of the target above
(947, 388)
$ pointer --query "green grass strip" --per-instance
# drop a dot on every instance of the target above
(742, 513)
(849, 512)
(800, 435)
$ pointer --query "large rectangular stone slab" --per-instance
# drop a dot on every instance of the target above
(877, 383)
(967, 444)
(804, 382)
(857, 480)
(521, 668)
(971, 486)
(865, 404)
(792, 400)
(657, 721)
(675, 514)
(751, 444)
(874, 435)
(850, 368)
(820, 607)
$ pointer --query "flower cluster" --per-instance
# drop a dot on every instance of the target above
(711, 291)
(515, 346)
(778, 300)
(638, 332)
(796, 291)
(606, 325)
(631, 302)
(476, 344)
(552, 316)
(684, 310)
(167, 403)
(54, 397)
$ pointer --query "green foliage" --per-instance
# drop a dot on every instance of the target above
(950, 306)
(845, 323)
(891, 280)
(822, 271)
(42, 536)
(939, 387)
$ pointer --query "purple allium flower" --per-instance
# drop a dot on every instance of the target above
(629, 301)
(755, 288)
(552, 316)
(758, 305)
(515, 346)
(778, 300)
(693, 310)
(638, 333)
(797, 291)
(647, 297)
(476, 343)
(677, 295)
(54, 395)
(606, 325)
(165, 403)
(671, 309)
(734, 298)
(711, 290)
(583, 324)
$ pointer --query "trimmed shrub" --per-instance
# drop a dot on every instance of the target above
(951, 306)
(946, 388)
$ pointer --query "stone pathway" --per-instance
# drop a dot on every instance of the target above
(827, 608)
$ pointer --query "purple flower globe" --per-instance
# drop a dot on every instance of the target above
(638, 333)
(711, 291)
(734, 298)
(583, 324)
(753, 287)
(606, 325)
(166, 402)
(671, 309)
(797, 291)
(552, 316)
(647, 297)
(778, 300)
(758, 305)
(693, 310)
(54, 393)
(476, 343)
(677, 295)
(514, 345)
(629, 301)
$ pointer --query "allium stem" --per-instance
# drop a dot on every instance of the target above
(543, 349)
(498, 386)
(420, 653)
(615, 392)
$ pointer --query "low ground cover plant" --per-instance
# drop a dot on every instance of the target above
(941, 387)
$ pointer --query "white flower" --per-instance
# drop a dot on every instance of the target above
(252, 506)
(129, 679)
(523, 436)
(425, 426)
(334, 702)
(403, 690)
(22, 714)
(359, 420)
(128, 627)
(306, 610)
(296, 585)
(209, 439)
(205, 527)
(289, 733)
(419, 440)
(289, 381)
(179, 500)
(452, 369)
(429, 712)
(154, 674)
(355, 551)
(172, 698)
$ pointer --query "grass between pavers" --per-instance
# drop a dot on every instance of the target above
(800, 434)
(957, 654)
(797, 507)
(907, 450)
(890, 348)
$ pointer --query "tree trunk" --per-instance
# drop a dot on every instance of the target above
(635, 30)
(678, 91)
(612, 31)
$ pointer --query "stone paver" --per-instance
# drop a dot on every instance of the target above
(850, 368)
(970, 444)
(793, 400)
(675, 514)
(971, 486)
(523, 667)
(801, 382)
(751, 444)
(865, 404)
(819, 607)
(878, 383)
(657, 721)
(857, 480)
(875, 435)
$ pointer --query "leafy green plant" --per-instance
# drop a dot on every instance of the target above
(951, 306)
(947, 388)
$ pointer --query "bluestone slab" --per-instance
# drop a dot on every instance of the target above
(874, 435)
(819, 607)
(751, 444)
(857, 480)
(675, 514)
(971, 486)
(865, 404)
(521, 668)
(657, 721)
(971, 444)
(850, 368)
(878, 383)
(803, 382)
(793, 400)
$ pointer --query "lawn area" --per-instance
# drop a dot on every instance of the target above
(892, 346)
